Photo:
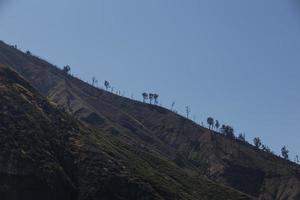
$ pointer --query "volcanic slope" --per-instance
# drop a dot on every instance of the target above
(176, 139)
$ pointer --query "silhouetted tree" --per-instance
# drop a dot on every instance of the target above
(297, 159)
(188, 111)
(28, 53)
(94, 81)
(155, 96)
(151, 97)
(266, 148)
(230, 132)
(145, 96)
(223, 129)
(67, 69)
(172, 106)
(242, 137)
(107, 85)
(257, 142)
(285, 153)
(227, 131)
(210, 122)
(217, 124)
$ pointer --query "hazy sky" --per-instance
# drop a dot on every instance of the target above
(235, 60)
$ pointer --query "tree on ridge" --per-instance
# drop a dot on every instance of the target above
(257, 142)
(285, 152)
(145, 97)
(210, 122)
(107, 85)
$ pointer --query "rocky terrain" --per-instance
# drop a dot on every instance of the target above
(47, 154)
(152, 135)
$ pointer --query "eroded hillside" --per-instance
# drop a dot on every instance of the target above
(172, 137)
(47, 154)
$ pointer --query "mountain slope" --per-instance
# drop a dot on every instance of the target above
(46, 154)
(172, 137)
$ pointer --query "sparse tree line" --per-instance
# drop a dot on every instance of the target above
(259, 145)
(66, 69)
(213, 124)
(109, 88)
(228, 131)
(94, 82)
(152, 97)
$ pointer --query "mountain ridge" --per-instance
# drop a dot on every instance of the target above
(49, 155)
(179, 140)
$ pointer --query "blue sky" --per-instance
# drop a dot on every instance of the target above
(238, 61)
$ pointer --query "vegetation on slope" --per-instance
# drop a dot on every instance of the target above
(46, 154)
(173, 138)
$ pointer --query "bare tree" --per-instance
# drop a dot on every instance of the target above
(172, 106)
(188, 111)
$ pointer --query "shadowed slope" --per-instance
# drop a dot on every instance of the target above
(169, 135)
(46, 154)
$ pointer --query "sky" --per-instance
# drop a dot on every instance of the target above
(235, 60)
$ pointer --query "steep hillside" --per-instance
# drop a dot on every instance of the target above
(169, 135)
(46, 154)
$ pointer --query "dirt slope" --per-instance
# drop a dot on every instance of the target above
(176, 139)
(47, 154)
